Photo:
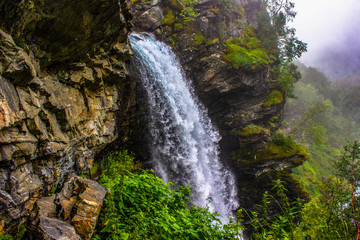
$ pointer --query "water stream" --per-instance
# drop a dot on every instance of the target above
(183, 141)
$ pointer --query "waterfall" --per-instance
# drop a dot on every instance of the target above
(183, 142)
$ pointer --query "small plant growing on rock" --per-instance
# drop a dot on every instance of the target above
(189, 13)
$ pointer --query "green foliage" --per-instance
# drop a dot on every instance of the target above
(335, 213)
(189, 13)
(276, 226)
(332, 215)
(320, 119)
(6, 237)
(178, 26)
(52, 190)
(247, 52)
(275, 97)
(141, 206)
(21, 230)
(280, 14)
(286, 76)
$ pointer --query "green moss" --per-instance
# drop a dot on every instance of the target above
(94, 168)
(169, 17)
(247, 52)
(281, 146)
(275, 97)
(249, 130)
(199, 39)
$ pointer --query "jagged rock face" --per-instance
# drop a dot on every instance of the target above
(65, 30)
(78, 203)
(64, 97)
(235, 98)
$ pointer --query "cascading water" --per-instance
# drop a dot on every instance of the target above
(183, 142)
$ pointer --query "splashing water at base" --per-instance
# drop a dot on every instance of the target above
(184, 147)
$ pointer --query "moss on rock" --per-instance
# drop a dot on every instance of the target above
(250, 130)
(275, 97)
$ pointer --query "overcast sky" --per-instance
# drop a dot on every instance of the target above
(325, 24)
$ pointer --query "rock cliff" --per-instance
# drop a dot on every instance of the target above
(64, 97)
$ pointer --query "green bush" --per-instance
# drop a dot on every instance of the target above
(276, 226)
(141, 206)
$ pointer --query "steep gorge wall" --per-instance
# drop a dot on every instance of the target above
(64, 97)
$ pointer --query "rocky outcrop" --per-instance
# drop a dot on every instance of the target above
(71, 214)
(64, 97)
(236, 99)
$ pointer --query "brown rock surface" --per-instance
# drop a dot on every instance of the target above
(64, 97)
(80, 200)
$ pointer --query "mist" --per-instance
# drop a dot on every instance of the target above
(332, 31)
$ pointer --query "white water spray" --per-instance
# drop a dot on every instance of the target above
(183, 143)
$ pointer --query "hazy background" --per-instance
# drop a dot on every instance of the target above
(332, 30)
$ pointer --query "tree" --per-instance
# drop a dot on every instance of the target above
(348, 167)
(282, 12)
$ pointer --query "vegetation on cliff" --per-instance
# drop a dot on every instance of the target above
(333, 215)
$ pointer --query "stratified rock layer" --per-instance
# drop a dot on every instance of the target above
(64, 97)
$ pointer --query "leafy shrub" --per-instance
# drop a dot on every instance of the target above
(141, 206)
(277, 226)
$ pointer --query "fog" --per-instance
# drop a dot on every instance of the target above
(332, 30)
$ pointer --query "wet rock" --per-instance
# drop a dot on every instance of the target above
(64, 94)
(150, 20)
(88, 206)
(15, 63)
(71, 214)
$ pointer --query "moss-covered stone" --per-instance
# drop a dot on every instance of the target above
(250, 130)
(276, 149)
(275, 97)
(199, 39)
